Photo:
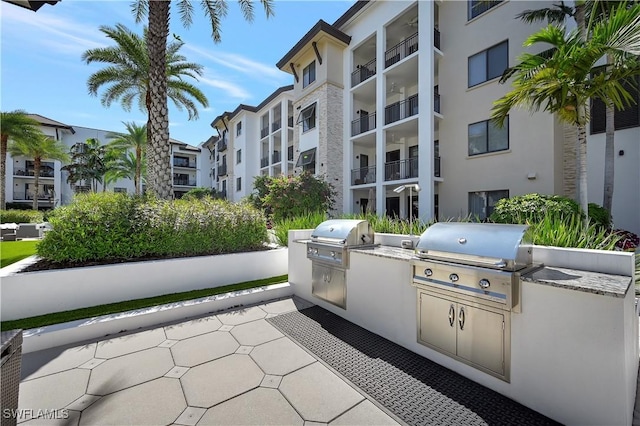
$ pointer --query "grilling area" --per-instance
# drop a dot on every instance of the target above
(555, 330)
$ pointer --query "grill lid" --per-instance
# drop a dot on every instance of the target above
(347, 232)
(492, 245)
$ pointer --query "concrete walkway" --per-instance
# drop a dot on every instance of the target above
(227, 369)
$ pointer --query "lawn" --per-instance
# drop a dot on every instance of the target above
(13, 251)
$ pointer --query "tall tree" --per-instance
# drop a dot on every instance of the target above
(39, 148)
(134, 139)
(561, 80)
(130, 73)
(159, 170)
(87, 164)
(123, 165)
(15, 125)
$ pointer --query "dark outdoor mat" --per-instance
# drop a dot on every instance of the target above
(417, 390)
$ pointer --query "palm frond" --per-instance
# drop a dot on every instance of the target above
(185, 9)
(140, 9)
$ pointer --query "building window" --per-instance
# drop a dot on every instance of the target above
(487, 137)
(239, 129)
(481, 204)
(307, 118)
(478, 7)
(309, 74)
(238, 184)
(307, 160)
(488, 64)
(623, 119)
(239, 156)
(122, 190)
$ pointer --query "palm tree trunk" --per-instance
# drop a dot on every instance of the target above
(136, 179)
(582, 170)
(36, 179)
(3, 167)
(609, 153)
(158, 151)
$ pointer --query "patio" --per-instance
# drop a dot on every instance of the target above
(236, 367)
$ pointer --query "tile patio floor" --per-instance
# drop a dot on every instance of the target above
(229, 368)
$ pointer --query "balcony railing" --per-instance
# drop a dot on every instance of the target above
(290, 121)
(400, 110)
(436, 102)
(222, 145)
(276, 125)
(183, 162)
(43, 173)
(363, 175)
(363, 72)
(401, 169)
(19, 196)
(264, 162)
(436, 166)
(222, 170)
(264, 132)
(275, 157)
(363, 124)
(290, 153)
(436, 38)
(184, 182)
(401, 50)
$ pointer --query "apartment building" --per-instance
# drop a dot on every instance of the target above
(395, 97)
(54, 190)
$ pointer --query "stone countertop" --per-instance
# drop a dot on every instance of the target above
(587, 281)
(569, 279)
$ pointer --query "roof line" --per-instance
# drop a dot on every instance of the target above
(350, 13)
(318, 27)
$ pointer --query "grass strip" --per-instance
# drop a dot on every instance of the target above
(112, 308)
(13, 251)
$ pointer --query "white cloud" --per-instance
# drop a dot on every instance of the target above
(231, 89)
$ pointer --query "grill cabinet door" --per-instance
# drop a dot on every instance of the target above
(481, 337)
(438, 322)
(328, 283)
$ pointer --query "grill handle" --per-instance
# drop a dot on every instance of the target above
(461, 318)
(452, 315)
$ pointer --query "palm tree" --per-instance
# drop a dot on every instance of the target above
(596, 10)
(561, 80)
(130, 75)
(87, 163)
(159, 173)
(123, 165)
(16, 125)
(39, 148)
(136, 140)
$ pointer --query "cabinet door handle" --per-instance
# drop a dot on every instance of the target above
(452, 315)
(461, 318)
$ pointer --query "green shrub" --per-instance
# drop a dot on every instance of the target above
(112, 226)
(18, 206)
(289, 197)
(307, 221)
(556, 231)
(21, 216)
(599, 216)
(532, 208)
(197, 193)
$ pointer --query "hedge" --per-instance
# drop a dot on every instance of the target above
(21, 216)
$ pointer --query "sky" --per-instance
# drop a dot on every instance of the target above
(41, 70)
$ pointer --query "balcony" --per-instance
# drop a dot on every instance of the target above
(363, 124)
(290, 153)
(436, 166)
(222, 170)
(264, 132)
(184, 182)
(401, 169)
(276, 126)
(222, 145)
(184, 162)
(363, 175)
(22, 196)
(363, 72)
(401, 110)
(44, 173)
(290, 122)
(436, 38)
(275, 157)
(264, 162)
(401, 50)
(436, 102)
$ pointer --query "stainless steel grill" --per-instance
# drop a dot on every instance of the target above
(329, 252)
(467, 277)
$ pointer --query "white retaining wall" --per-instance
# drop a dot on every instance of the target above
(30, 294)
